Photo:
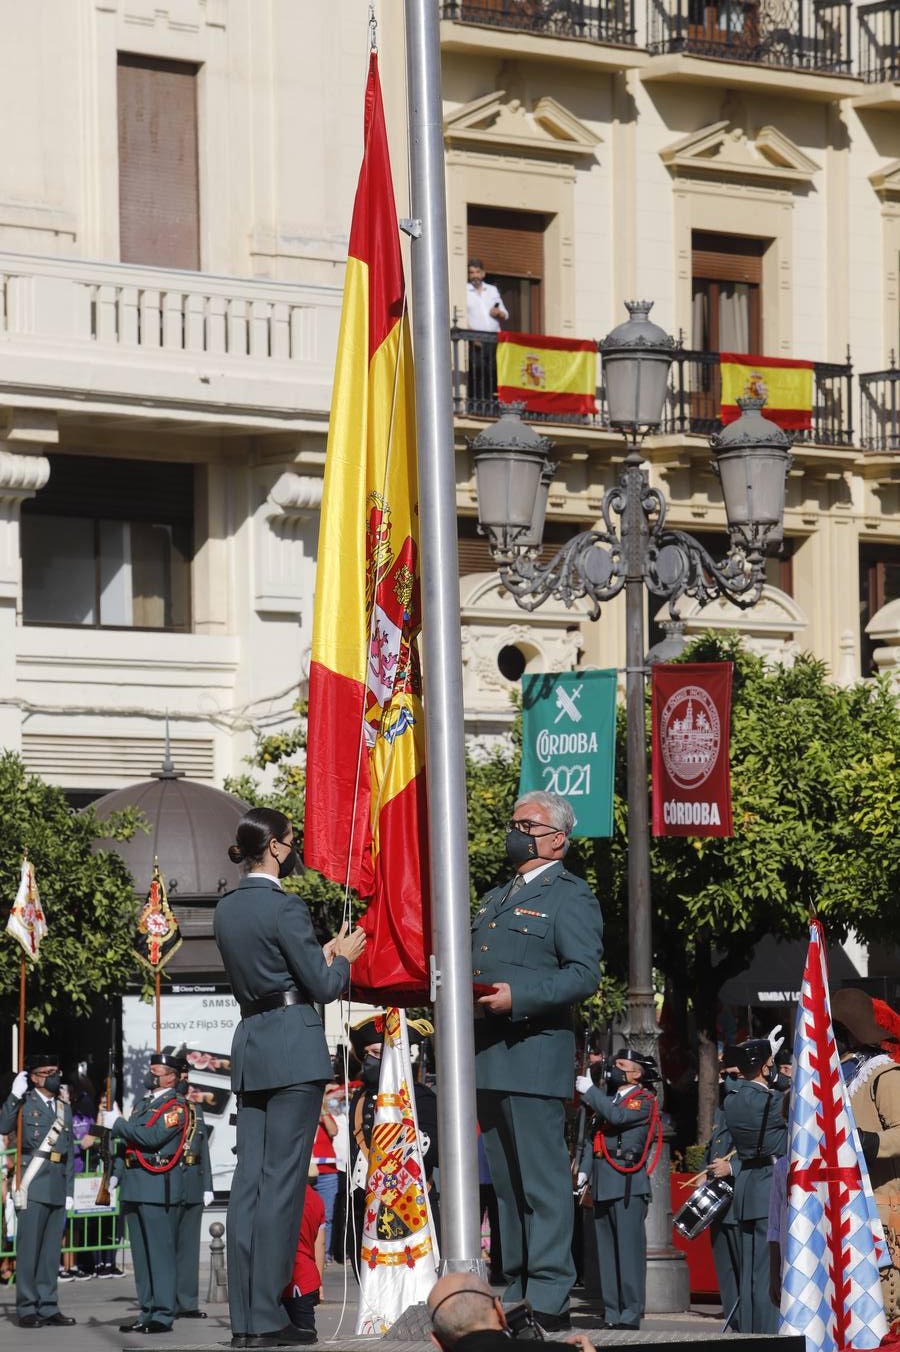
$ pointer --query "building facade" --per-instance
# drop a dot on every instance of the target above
(175, 201)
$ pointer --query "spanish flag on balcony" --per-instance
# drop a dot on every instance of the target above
(786, 384)
(547, 375)
(365, 786)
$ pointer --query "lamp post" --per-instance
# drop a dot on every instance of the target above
(752, 456)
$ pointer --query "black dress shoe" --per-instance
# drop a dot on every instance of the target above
(631, 1328)
(190, 1314)
(31, 1321)
(238, 1340)
(551, 1322)
(61, 1320)
(136, 1326)
(289, 1336)
(154, 1326)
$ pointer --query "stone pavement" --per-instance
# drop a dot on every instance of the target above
(100, 1306)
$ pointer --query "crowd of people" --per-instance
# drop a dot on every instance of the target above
(298, 1193)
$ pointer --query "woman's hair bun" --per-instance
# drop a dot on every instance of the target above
(235, 854)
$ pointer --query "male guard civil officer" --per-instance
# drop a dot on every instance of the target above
(536, 944)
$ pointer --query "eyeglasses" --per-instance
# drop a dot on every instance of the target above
(523, 824)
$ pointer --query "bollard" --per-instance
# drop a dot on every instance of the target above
(218, 1277)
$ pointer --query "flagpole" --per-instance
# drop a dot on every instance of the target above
(21, 1065)
(158, 1013)
(442, 649)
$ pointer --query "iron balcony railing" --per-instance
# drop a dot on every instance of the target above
(879, 41)
(798, 34)
(580, 19)
(693, 403)
(879, 404)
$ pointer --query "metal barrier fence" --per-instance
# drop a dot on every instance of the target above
(87, 1234)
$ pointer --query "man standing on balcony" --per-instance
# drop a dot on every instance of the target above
(484, 312)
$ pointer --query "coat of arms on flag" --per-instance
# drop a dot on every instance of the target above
(27, 922)
(158, 935)
(398, 1257)
(834, 1242)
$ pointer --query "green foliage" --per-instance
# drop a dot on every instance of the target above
(87, 895)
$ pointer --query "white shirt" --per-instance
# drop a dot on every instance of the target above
(479, 304)
(536, 872)
(268, 877)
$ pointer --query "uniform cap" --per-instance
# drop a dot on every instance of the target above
(371, 1030)
(169, 1057)
(856, 1011)
(750, 1056)
(42, 1057)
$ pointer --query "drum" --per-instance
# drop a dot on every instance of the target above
(705, 1203)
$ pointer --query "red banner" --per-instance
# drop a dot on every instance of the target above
(691, 733)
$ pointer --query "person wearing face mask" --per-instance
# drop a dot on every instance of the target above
(279, 1067)
(536, 949)
(623, 1147)
(197, 1193)
(759, 1133)
(149, 1150)
(46, 1188)
(722, 1162)
(367, 1040)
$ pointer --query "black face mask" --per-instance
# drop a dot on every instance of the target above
(520, 847)
(776, 1079)
(288, 864)
(52, 1084)
(371, 1070)
(151, 1081)
(616, 1078)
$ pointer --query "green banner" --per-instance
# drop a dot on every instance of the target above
(569, 743)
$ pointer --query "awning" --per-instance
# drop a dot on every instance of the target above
(775, 973)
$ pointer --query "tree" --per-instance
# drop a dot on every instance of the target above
(87, 894)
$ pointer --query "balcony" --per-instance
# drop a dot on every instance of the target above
(222, 353)
(879, 401)
(551, 18)
(879, 54)
(774, 43)
(694, 398)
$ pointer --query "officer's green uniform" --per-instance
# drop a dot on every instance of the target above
(151, 1196)
(196, 1180)
(279, 1068)
(545, 940)
(621, 1197)
(753, 1115)
(723, 1232)
(40, 1226)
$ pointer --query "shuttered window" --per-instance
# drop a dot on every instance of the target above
(159, 204)
(475, 554)
(728, 258)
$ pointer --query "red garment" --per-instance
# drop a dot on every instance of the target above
(323, 1152)
(306, 1276)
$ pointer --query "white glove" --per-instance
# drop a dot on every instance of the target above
(70, 1204)
(109, 1117)
(581, 1181)
(208, 1198)
(20, 1085)
(776, 1039)
(113, 1184)
(583, 1083)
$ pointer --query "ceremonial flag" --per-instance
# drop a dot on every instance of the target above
(27, 922)
(691, 735)
(786, 385)
(399, 1255)
(547, 375)
(365, 785)
(830, 1290)
(158, 935)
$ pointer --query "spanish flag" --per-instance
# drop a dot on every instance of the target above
(547, 375)
(787, 386)
(365, 787)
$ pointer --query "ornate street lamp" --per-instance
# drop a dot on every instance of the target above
(752, 457)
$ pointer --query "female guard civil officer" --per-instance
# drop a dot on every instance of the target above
(279, 1067)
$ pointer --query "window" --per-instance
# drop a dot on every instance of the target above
(511, 246)
(159, 211)
(879, 583)
(108, 544)
(726, 292)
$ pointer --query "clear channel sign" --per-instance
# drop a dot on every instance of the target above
(569, 743)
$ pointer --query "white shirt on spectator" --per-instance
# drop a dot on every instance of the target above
(479, 304)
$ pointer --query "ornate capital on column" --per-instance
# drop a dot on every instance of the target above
(296, 495)
(21, 476)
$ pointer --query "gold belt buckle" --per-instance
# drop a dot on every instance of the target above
(55, 1157)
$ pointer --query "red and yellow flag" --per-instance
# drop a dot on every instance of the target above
(547, 375)
(365, 788)
(786, 384)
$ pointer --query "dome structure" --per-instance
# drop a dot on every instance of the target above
(191, 827)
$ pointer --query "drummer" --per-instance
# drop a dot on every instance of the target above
(759, 1132)
(722, 1162)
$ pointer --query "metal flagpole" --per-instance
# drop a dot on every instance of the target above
(441, 649)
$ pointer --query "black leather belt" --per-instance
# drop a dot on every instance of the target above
(758, 1162)
(53, 1156)
(157, 1161)
(267, 1002)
